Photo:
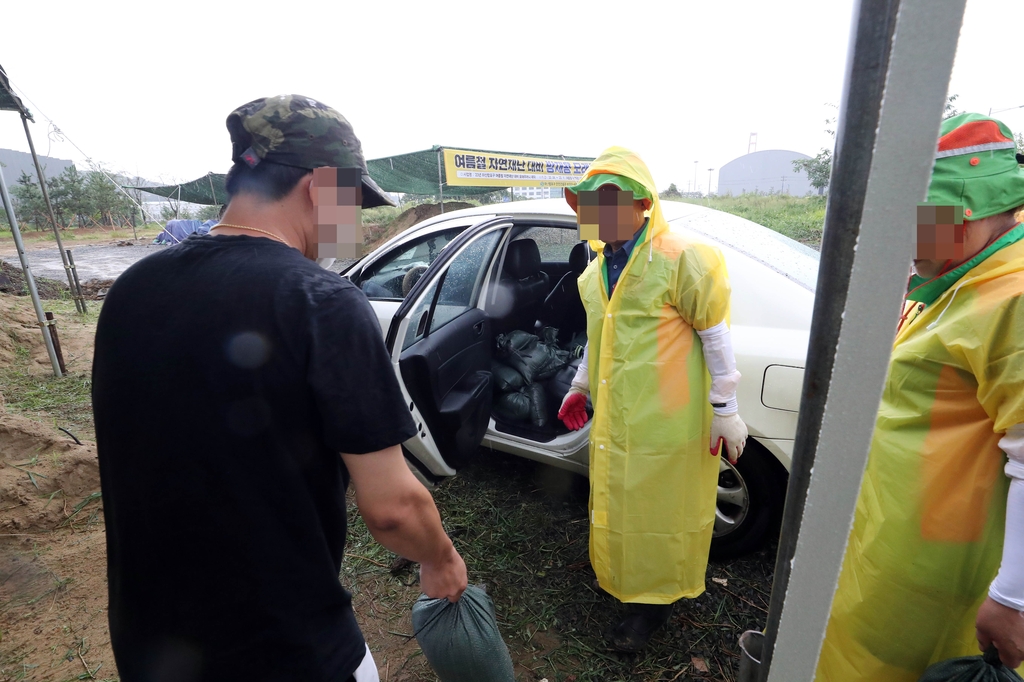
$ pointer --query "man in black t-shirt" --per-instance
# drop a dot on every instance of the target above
(237, 387)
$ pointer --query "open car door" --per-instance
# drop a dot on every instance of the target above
(441, 345)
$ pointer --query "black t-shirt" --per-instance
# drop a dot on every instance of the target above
(229, 374)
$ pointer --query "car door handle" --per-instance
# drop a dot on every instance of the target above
(479, 327)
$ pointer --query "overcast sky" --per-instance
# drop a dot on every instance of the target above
(144, 88)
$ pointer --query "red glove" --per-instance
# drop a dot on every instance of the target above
(573, 412)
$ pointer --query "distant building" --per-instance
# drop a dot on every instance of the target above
(770, 171)
(523, 193)
(16, 162)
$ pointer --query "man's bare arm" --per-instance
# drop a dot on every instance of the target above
(401, 515)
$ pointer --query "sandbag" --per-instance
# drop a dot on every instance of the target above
(461, 639)
(529, 356)
(538, 405)
(549, 335)
(506, 378)
(987, 668)
(560, 383)
(514, 406)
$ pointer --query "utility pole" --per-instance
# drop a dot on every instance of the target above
(695, 175)
(709, 183)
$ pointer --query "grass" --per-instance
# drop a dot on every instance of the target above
(522, 529)
(81, 235)
(800, 218)
(64, 402)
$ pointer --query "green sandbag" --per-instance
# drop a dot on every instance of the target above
(534, 359)
(514, 406)
(538, 405)
(461, 639)
(505, 378)
(987, 668)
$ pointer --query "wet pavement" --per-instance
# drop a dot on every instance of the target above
(92, 262)
(99, 262)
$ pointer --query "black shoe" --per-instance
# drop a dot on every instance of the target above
(633, 632)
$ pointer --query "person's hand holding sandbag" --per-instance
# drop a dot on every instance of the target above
(987, 668)
(461, 639)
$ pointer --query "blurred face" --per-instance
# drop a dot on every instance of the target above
(609, 214)
(337, 198)
(940, 238)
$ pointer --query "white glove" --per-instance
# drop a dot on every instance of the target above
(731, 429)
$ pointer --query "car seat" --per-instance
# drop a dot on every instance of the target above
(525, 286)
(562, 308)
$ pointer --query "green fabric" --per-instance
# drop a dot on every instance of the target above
(207, 190)
(926, 291)
(993, 186)
(625, 184)
(417, 172)
(637, 239)
(8, 100)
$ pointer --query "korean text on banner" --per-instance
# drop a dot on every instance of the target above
(486, 169)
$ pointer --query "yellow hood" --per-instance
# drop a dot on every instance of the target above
(621, 161)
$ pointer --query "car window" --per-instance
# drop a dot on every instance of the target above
(460, 288)
(393, 276)
(463, 280)
(554, 243)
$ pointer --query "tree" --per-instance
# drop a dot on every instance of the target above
(671, 192)
(208, 213)
(29, 204)
(819, 169)
(949, 111)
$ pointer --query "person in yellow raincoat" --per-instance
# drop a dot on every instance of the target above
(921, 580)
(654, 302)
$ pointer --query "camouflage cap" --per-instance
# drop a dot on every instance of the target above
(298, 131)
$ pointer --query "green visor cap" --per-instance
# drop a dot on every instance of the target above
(976, 167)
(625, 184)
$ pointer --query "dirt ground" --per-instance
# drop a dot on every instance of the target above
(19, 334)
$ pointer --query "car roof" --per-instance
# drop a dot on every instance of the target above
(790, 258)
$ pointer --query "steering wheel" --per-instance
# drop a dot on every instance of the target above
(411, 277)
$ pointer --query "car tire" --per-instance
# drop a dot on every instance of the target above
(749, 503)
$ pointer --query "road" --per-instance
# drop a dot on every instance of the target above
(97, 262)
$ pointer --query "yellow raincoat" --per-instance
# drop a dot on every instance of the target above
(653, 481)
(928, 531)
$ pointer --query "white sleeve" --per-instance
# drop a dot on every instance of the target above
(721, 362)
(1008, 587)
(582, 378)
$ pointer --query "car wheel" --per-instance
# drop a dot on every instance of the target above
(749, 504)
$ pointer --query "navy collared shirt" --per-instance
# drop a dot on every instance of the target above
(615, 262)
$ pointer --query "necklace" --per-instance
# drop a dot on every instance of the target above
(254, 229)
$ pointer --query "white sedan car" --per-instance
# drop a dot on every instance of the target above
(445, 289)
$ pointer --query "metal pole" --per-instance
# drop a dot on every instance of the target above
(56, 341)
(695, 175)
(440, 185)
(213, 192)
(74, 271)
(29, 280)
(76, 294)
(884, 153)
